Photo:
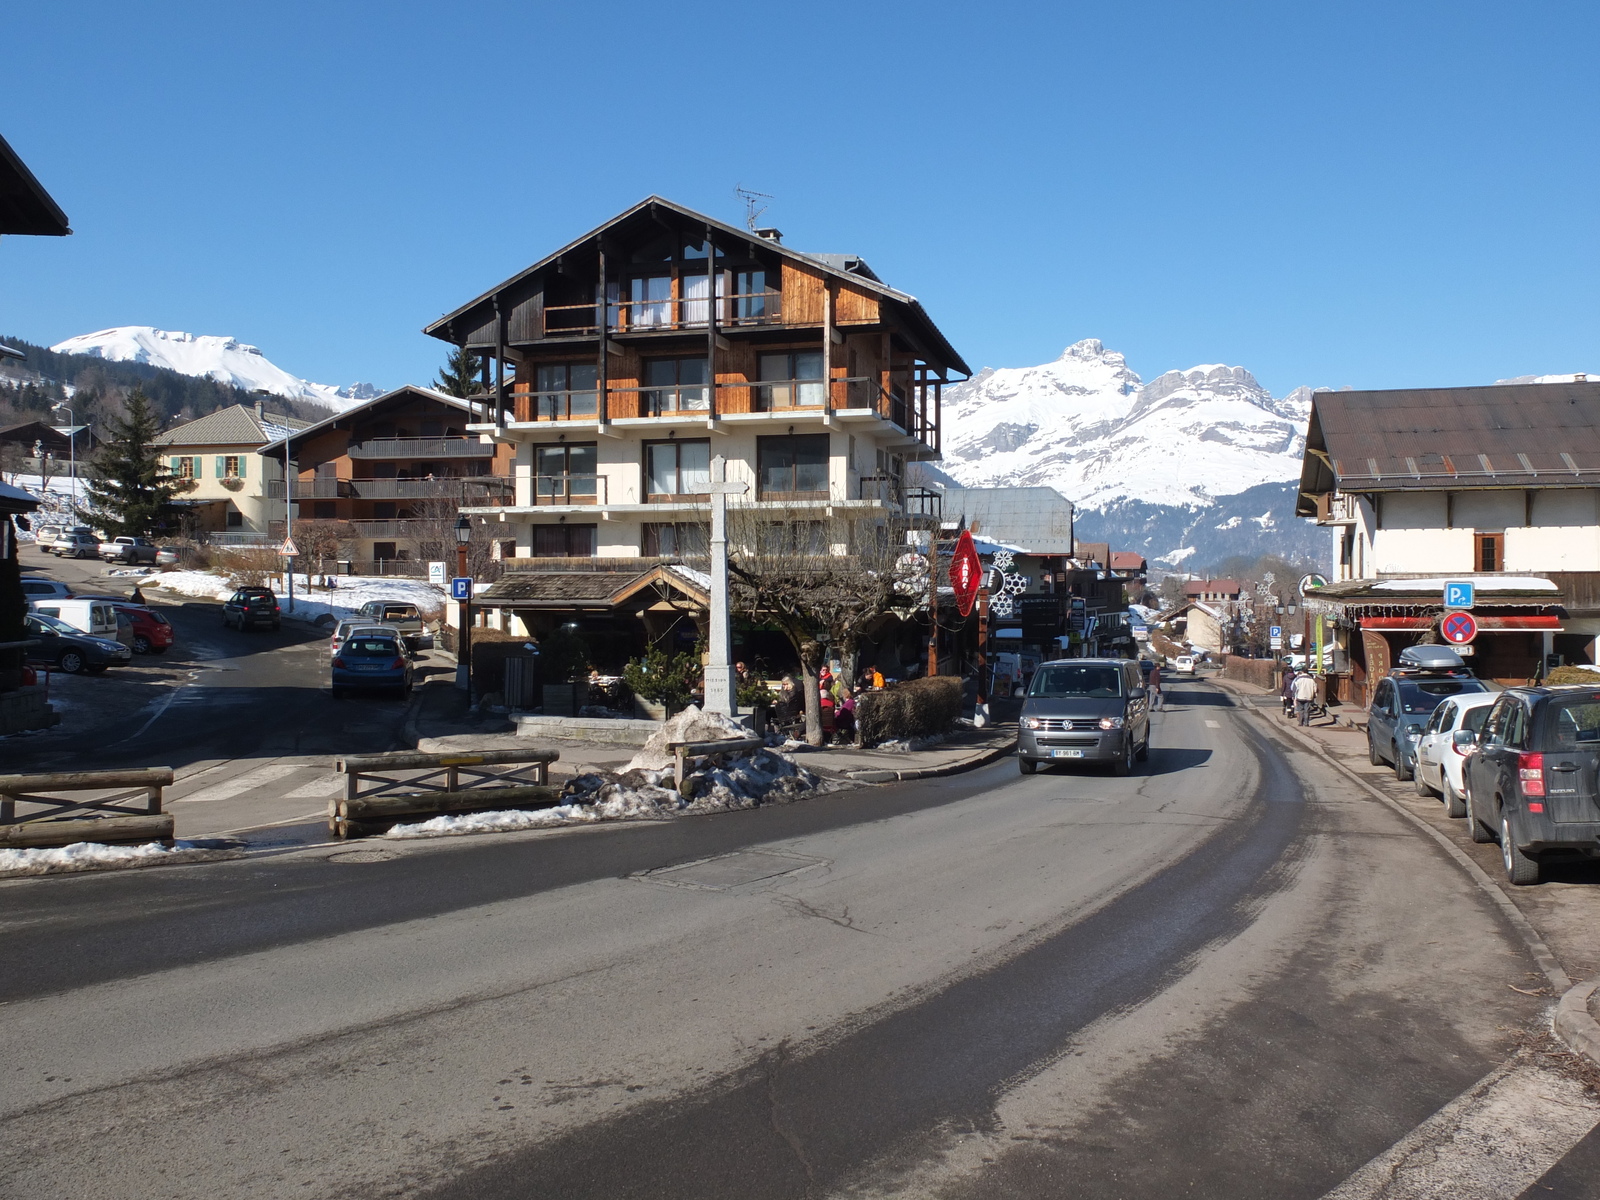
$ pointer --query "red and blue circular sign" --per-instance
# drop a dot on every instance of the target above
(1458, 628)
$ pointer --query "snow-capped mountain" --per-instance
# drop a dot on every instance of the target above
(220, 358)
(1195, 464)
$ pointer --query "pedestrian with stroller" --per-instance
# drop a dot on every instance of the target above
(1305, 692)
(1286, 692)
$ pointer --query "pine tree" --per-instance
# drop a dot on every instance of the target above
(131, 491)
(460, 375)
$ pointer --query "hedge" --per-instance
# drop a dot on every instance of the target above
(915, 708)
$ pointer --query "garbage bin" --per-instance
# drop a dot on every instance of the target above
(346, 566)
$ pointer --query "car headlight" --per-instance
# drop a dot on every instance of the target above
(1110, 722)
(1031, 722)
(1413, 731)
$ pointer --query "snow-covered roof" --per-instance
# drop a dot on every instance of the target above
(1482, 583)
(235, 425)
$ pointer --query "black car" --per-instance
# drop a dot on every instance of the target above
(251, 606)
(71, 649)
(1531, 783)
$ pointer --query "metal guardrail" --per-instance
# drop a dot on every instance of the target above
(442, 783)
(44, 825)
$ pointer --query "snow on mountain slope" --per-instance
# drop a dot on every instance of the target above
(220, 358)
(1088, 426)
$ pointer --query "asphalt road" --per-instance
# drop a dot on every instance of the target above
(1229, 975)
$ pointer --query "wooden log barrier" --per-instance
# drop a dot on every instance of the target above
(366, 815)
(29, 789)
(683, 751)
(38, 835)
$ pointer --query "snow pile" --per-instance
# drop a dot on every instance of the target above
(207, 357)
(349, 594)
(86, 856)
(1091, 428)
(690, 725)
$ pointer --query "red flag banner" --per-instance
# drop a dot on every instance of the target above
(966, 573)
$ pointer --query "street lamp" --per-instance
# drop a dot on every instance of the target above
(72, 448)
(464, 657)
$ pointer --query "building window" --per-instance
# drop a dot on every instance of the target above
(325, 510)
(650, 304)
(790, 381)
(565, 390)
(1491, 552)
(792, 468)
(184, 467)
(752, 302)
(566, 474)
(383, 551)
(563, 541)
(677, 468)
(383, 510)
(230, 466)
(675, 385)
(690, 539)
(235, 518)
(794, 537)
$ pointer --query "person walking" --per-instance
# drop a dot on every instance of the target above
(1158, 699)
(1305, 691)
(1286, 693)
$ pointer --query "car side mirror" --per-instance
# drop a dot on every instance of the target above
(1464, 738)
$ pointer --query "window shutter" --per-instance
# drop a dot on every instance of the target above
(244, 460)
(222, 467)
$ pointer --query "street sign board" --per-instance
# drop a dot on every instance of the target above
(1459, 628)
(1275, 631)
(1311, 583)
(1458, 593)
(290, 550)
(966, 573)
(436, 573)
(461, 588)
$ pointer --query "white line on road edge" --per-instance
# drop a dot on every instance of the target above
(156, 716)
(1463, 1152)
(241, 783)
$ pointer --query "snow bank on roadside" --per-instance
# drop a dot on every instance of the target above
(351, 592)
(764, 777)
(86, 856)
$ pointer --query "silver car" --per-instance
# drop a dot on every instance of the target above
(1085, 709)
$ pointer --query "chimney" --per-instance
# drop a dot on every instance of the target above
(769, 234)
(260, 420)
(1580, 377)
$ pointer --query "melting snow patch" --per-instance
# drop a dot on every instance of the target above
(90, 856)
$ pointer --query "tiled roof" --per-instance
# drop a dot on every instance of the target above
(1127, 560)
(580, 588)
(235, 425)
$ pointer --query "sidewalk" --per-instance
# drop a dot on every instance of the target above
(1563, 912)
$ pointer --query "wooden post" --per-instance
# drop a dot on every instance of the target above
(499, 365)
(980, 712)
(933, 603)
(827, 346)
(711, 326)
(603, 308)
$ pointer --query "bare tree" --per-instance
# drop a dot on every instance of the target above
(435, 539)
(319, 541)
(823, 582)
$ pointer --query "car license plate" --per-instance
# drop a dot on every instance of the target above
(367, 666)
(1066, 754)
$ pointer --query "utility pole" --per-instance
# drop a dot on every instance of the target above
(933, 603)
(721, 696)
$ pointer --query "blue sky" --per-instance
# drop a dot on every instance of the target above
(1374, 195)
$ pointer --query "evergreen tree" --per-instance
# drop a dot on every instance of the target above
(460, 375)
(132, 491)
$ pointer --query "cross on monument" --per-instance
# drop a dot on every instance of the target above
(721, 695)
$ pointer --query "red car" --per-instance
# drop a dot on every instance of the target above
(152, 633)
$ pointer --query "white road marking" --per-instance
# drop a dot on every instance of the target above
(242, 783)
(1213, 724)
(323, 785)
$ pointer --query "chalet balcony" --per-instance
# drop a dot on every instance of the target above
(420, 447)
(448, 487)
(912, 501)
(569, 489)
(399, 527)
(663, 315)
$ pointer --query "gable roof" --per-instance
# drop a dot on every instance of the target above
(366, 407)
(846, 267)
(554, 588)
(1201, 587)
(25, 207)
(1506, 435)
(235, 425)
(1127, 560)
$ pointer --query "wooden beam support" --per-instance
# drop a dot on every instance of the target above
(603, 309)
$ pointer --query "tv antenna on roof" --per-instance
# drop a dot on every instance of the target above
(753, 208)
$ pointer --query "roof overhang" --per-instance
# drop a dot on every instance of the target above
(25, 207)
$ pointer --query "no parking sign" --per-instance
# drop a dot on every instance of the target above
(1459, 628)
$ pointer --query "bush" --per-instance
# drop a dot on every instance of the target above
(913, 709)
(667, 679)
(754, 693)
(1573, 675)
(249, 566)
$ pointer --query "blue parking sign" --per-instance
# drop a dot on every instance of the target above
(1458, 593)
(461, 588)
(1275, 631)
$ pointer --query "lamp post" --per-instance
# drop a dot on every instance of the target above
(464, 642)
(72, 449)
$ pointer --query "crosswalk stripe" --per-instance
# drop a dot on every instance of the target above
(242, 783)
(321, 786)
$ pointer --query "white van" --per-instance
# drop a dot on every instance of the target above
(98, 618)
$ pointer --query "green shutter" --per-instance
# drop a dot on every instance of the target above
(222, 467)
(244, 465)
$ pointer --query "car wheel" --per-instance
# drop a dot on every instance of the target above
(1520, 869)
(1144, 750)
(1372, 752)
(1124, 764)
(141, 644)
(1401, 771)
(71, 662)
(1481, 833)
(1417, 785)
(1455, 804)
(1027, 766)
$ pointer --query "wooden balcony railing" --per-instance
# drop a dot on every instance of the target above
(421, 447)
(639, 316)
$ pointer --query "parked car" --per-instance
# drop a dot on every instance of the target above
(44, 536)
(1184, 664)
(86, 614)
(35, 587)
(70, 649)
(129, 550)
(1532, 782)
(1404, 702)
(402, 616)
(343, 630)
(167, 556)
(1080, 709)
(372, 658)
(251, 606)
(1447, 741)
(76, 545)
(152, 632)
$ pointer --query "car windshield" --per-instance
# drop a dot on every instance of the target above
(1572, 722)
(51, 624)
(1423, 696)
(1077, 679)
(371, 648)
